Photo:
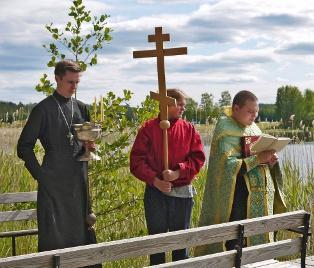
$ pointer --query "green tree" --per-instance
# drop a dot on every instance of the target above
(118, 130)
(267, 111)
(190, 109)
(115, 198)
(215, 114)
(81, 38)
(225, 99)
(289, 102)
(308, 107)
(206, 107)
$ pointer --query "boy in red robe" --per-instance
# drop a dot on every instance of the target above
(168, 198)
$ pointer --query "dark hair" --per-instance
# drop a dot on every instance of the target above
(242, 96)
(67, 65)
(176, 94)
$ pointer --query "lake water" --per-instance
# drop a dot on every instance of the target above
(301, 156)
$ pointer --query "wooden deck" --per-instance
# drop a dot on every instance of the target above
(277, 264)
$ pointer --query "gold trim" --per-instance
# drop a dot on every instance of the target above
(219, 178)
(248, 202)
(234, 180)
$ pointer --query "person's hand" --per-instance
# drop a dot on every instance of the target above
(170, 175)
(91, 219)
(90, 145)
(163, 186)
(273, 160)
(265, 156)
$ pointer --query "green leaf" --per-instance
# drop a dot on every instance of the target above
(52, 46)
(93, 60)
(44, 86)
(50, 64)
(83, 65)
(102, 18)
(80, 51)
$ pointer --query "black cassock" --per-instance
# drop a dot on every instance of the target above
(62, 191)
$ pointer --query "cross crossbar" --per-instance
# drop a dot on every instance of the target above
(164, 100)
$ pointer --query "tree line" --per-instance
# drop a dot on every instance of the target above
(292, 108)
(10, 112)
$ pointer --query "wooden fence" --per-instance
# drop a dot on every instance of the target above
(146, 245)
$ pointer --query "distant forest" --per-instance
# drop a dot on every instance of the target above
(10, 111)
(292, 108)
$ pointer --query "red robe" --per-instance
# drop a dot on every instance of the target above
(185, 152)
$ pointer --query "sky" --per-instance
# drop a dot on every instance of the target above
(257, 45)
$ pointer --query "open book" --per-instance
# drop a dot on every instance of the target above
(268, 142)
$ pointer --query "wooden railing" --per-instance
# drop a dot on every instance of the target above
(18, 215)
(146, 245)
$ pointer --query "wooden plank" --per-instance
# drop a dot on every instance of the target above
(217, 260)
(284, 265)
(19, 233)
(152, 37)
(271, 250)
(175, 51)
(249, 255)
(263, 264)
(309, 262)
(9, 198)
(144, 53)
(273, 265)
(168, 100)
(139, 246)
(18, 215)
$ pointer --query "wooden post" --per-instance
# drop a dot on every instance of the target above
(164, 100)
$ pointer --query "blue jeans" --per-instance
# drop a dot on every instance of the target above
(166, 213)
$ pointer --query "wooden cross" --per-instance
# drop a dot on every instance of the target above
(164, 100)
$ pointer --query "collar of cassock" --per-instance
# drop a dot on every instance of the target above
(60, 98)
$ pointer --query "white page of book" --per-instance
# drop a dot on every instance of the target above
(267, 142)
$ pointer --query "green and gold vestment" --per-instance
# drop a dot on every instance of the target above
(264, 184)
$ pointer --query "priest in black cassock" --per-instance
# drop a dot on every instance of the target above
(62, 202)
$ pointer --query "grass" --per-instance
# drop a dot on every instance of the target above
(118, 201)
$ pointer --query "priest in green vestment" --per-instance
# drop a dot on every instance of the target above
(239, 187)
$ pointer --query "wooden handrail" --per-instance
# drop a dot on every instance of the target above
(250, 255)
(18, 215)
(139, 246)
(9, 198)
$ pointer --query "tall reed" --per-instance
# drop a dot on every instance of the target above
(119, 205)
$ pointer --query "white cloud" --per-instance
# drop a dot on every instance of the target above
(282, 80)
(232, 45)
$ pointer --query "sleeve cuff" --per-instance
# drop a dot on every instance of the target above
(36, 172)
(150, 179)
(183, 170)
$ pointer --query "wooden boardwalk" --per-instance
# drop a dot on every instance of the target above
(277, 264)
